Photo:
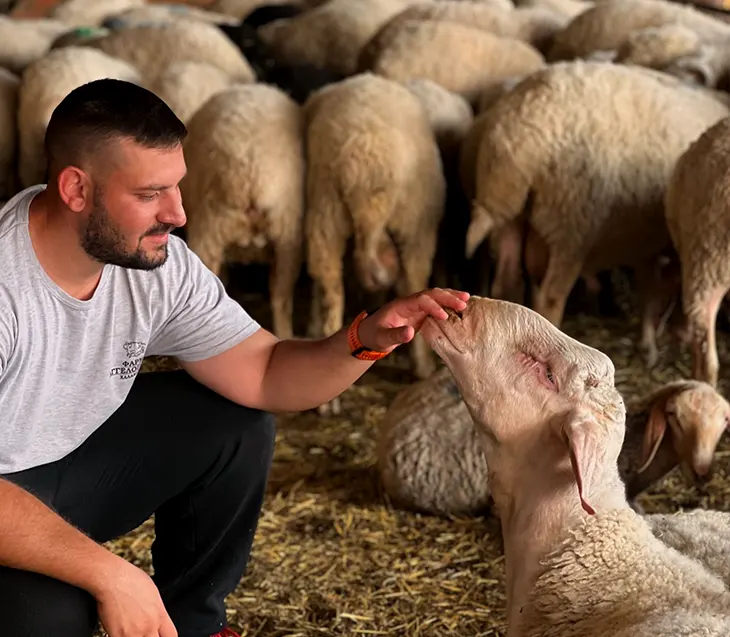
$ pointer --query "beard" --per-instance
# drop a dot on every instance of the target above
(103, 241)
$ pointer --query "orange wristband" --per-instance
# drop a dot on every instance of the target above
(357, 349)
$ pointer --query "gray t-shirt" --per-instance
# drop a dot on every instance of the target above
(66, 365)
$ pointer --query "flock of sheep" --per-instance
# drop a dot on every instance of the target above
(431, 141)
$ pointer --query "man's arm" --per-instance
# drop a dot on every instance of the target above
(35, 538)
(294, 375)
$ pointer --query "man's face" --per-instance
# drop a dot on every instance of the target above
(135, 207)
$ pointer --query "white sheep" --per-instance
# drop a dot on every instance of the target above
(244, 189)
(374, 173)
(430, 458)
(658, 47)
(708, 66)
(476, 59)
(698, 217)
(44, 85)
(26, 40)
(594, 171)
(331, 35)
(82, 13)
(152, 48)
(580, 562)
(568, 8)
(160, 13)
(186, 86)
(534, 25)
(608, 25)
(9, 97)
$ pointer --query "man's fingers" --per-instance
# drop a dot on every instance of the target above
(429, 305)
(167, 629)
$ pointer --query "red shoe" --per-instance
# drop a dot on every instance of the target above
(226, 632)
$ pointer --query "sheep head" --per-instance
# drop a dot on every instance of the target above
(540, 398)
(695, 415)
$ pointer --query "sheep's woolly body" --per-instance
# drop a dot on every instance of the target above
(698, 218)
(25, 41)
(9, 93)
(186, 86)
(82, 13)
(152, 48)
(700, 534)
(450, 114)
(160, 13)
(611, 576)
(45, 83)
(331, 35)
(608, 25)
(594, 144)
(244, 190)
(658, 47)
(535, 25)
(373, 171)
(429, 453)
(477, 59)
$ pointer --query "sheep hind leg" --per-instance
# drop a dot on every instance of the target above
(508, 280)
(416, 260)
(701, 305)
(560, 276)
(285, 268)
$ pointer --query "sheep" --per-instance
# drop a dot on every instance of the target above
(27, 40)
(568, 8)
(79, 36)
(162, 13)
(90, 13)
(295, 79)
(153, 48)
(430, 459)
(708, 66)
(451, 118)
(244, 189)
(44, 85)
(534, 25)
(593, 171)
(579, 561)
(658, 47)
(373, 172)
(330, 36)
(607, 26)
(701, 534)
(477, 59)
(429, 456)
(698, 217)
(9, 90)
(186, 86)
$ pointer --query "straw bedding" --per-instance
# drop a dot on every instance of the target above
(332, 556)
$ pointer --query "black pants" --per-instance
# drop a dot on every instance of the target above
(198, 461)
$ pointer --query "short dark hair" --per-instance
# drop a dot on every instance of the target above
(100, 112)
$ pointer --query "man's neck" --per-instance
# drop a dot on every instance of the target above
(58, 250)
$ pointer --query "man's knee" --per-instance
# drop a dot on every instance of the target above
(255, 431)
(32, 604)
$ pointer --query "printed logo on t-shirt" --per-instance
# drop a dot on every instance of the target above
(135, 355)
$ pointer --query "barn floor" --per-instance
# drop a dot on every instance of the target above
(331, 557)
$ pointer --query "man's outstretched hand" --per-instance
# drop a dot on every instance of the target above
(398, 322)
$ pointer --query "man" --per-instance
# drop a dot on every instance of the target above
(92, 282)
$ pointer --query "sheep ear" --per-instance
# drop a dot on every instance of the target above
(656, 427)
(584, 438)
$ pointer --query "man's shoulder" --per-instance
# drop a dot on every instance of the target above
(14, 213)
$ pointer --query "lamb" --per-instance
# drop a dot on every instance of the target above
(186, 86)
(90, 13)
(373, 172)
(44, 85)
(25, 41)
(553, 424)
(244, 190)
(658, 47)
(477, 59)
(152, 48)
(708, 66)
(330, 36)
(593, 171)
(534, 25)
(9, 90)
(608, 25)
(430, 458)
(698, 217)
